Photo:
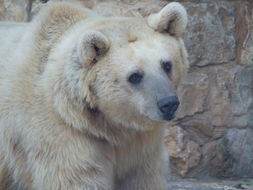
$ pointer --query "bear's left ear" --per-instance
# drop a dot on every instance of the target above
(91, 47)
(172, 19)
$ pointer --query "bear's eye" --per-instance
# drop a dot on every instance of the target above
(167, 66)
(135, 78)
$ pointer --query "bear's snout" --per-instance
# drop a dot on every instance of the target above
(168, 106)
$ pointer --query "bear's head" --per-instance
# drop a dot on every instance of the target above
(124, 70)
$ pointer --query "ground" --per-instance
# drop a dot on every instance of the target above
(221, 185)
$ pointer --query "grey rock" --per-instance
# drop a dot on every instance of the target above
(244, 32)
(239, 145)
(194, 85)
(209, 37)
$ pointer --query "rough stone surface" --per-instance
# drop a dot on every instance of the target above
(184, 153)
(244, 33)
(212, 135)
(210, 38)
(240, 150)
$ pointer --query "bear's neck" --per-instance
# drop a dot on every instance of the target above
(107, 130)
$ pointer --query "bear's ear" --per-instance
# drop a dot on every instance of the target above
(92, 46)
(172, 19)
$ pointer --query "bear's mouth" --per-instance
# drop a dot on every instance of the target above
(168, 116)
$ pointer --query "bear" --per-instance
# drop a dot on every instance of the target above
(85, 99)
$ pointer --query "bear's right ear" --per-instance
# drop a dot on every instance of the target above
(92, 46)
(171, 19)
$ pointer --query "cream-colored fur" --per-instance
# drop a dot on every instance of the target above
(172, 19)
(69, 120)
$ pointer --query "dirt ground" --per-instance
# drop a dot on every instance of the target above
(221, 185)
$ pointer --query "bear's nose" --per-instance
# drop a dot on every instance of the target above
(168, 106)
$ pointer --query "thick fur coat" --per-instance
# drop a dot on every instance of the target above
(69, 118)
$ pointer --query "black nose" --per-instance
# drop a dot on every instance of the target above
(168, 106)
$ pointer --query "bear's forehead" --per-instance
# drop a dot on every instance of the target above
(133, 36)
(123, 28)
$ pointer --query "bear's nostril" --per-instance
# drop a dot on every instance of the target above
(168, 105)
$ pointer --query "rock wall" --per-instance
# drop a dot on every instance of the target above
(213, 133)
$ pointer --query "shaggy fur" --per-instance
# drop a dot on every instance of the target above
(69, 119)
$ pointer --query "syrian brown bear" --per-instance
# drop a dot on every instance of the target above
(85, 99)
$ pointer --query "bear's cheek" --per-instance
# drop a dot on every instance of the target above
(120, 108)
